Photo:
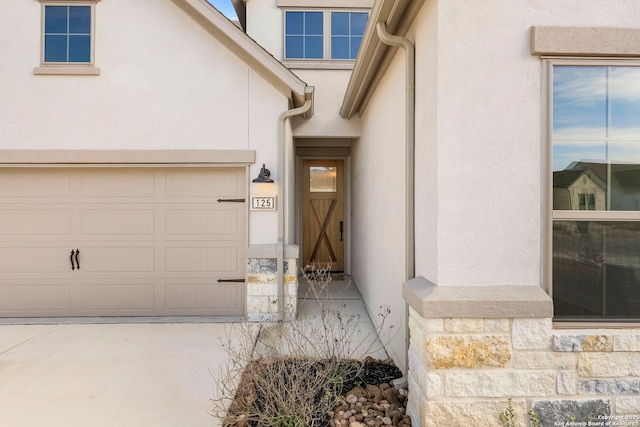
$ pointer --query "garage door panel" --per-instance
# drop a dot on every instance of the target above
(29, 299)
(190, 297)
(34, 183)
(118, 183)
(220, 183)
(117, 259)
(118, 296)
(110, 222)
(202, 259)
(26, 259)
(223, 222)
(31, 222)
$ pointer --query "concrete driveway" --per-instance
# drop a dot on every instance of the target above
(109, 374)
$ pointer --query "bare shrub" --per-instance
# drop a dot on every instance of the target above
(293, 372)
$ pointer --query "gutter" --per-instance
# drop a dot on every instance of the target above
(306, 111)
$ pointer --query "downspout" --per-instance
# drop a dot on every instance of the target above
(410, 144)
(282, 120)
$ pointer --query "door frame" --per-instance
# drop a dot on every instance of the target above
(299, 173)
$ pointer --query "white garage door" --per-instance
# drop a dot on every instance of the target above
(122, 242)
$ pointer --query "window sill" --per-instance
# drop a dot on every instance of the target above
(67, 70)
(318, 65)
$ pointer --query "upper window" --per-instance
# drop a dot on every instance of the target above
(67, 37)
(595, 138)
(67, 34)
(323, 34)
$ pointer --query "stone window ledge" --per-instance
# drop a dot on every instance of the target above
(67, 70)
(432, 301)
(585, 41)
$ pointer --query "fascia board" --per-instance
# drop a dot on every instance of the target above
(245, 48)
(241, 11)
(375, 57)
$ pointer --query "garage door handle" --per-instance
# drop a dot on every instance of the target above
(230, 200)
(77, 264)
(231, 280)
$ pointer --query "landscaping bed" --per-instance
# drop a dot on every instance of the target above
(304, 392)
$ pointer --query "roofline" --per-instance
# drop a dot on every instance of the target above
(241, 10)
(374, 56)
(245, 48)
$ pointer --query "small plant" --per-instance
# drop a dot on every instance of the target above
(508, 416)
(533, 418)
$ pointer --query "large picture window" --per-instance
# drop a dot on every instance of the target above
(595, 150)
(328, 35)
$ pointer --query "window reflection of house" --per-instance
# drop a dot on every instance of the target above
(584, 186)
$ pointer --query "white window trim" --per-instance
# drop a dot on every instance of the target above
(548, 214)
(72, 68)
(326, 61)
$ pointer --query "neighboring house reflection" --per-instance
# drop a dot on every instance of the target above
(584, 185)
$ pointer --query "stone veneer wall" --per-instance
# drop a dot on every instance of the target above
(472, 350)
(262, 283)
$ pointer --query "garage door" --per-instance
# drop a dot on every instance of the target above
(122, 242)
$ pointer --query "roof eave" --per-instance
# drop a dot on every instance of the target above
(241, 12)
(374, 56)
(245, 48)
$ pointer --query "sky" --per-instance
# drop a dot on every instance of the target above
(596, 115)
(225, 7)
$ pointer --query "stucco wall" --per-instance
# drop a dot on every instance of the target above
(378, 200)
(478, 147)
(330, 88)
(165, 83)
(489, 133)
(264, 24)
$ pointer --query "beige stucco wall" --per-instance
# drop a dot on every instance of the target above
(264, 24)
(378, 200)
(330, 88)
(478, 148)
(489, 133)
(165, 83)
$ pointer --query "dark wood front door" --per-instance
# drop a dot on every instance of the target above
(323, 213)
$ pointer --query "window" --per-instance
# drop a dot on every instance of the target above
(347, 29)
(67, 34)
(67, 37)
(323, 34)
(303, 35)
(595, 156)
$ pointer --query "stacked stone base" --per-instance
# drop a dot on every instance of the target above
(463, 368)
(262, 284)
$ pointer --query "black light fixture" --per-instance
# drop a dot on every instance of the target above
(264, 175)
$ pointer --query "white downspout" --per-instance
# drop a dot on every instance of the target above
(282, 119)
(410, 132)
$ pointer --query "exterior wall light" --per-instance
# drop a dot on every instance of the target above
(264, 176)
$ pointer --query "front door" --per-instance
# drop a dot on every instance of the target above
(323, 213)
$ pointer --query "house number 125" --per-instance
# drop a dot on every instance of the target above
(261, 203)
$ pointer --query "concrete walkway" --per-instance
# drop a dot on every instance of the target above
(120, 374)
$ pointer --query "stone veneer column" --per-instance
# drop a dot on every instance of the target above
(262, 286)
(474, 347)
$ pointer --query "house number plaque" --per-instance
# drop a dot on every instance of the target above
(263, 203)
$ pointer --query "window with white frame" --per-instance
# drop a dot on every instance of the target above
(595, 158)
(67, 34)
(318, 35)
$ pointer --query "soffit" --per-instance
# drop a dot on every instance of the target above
(245, 48)
(374, 56)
